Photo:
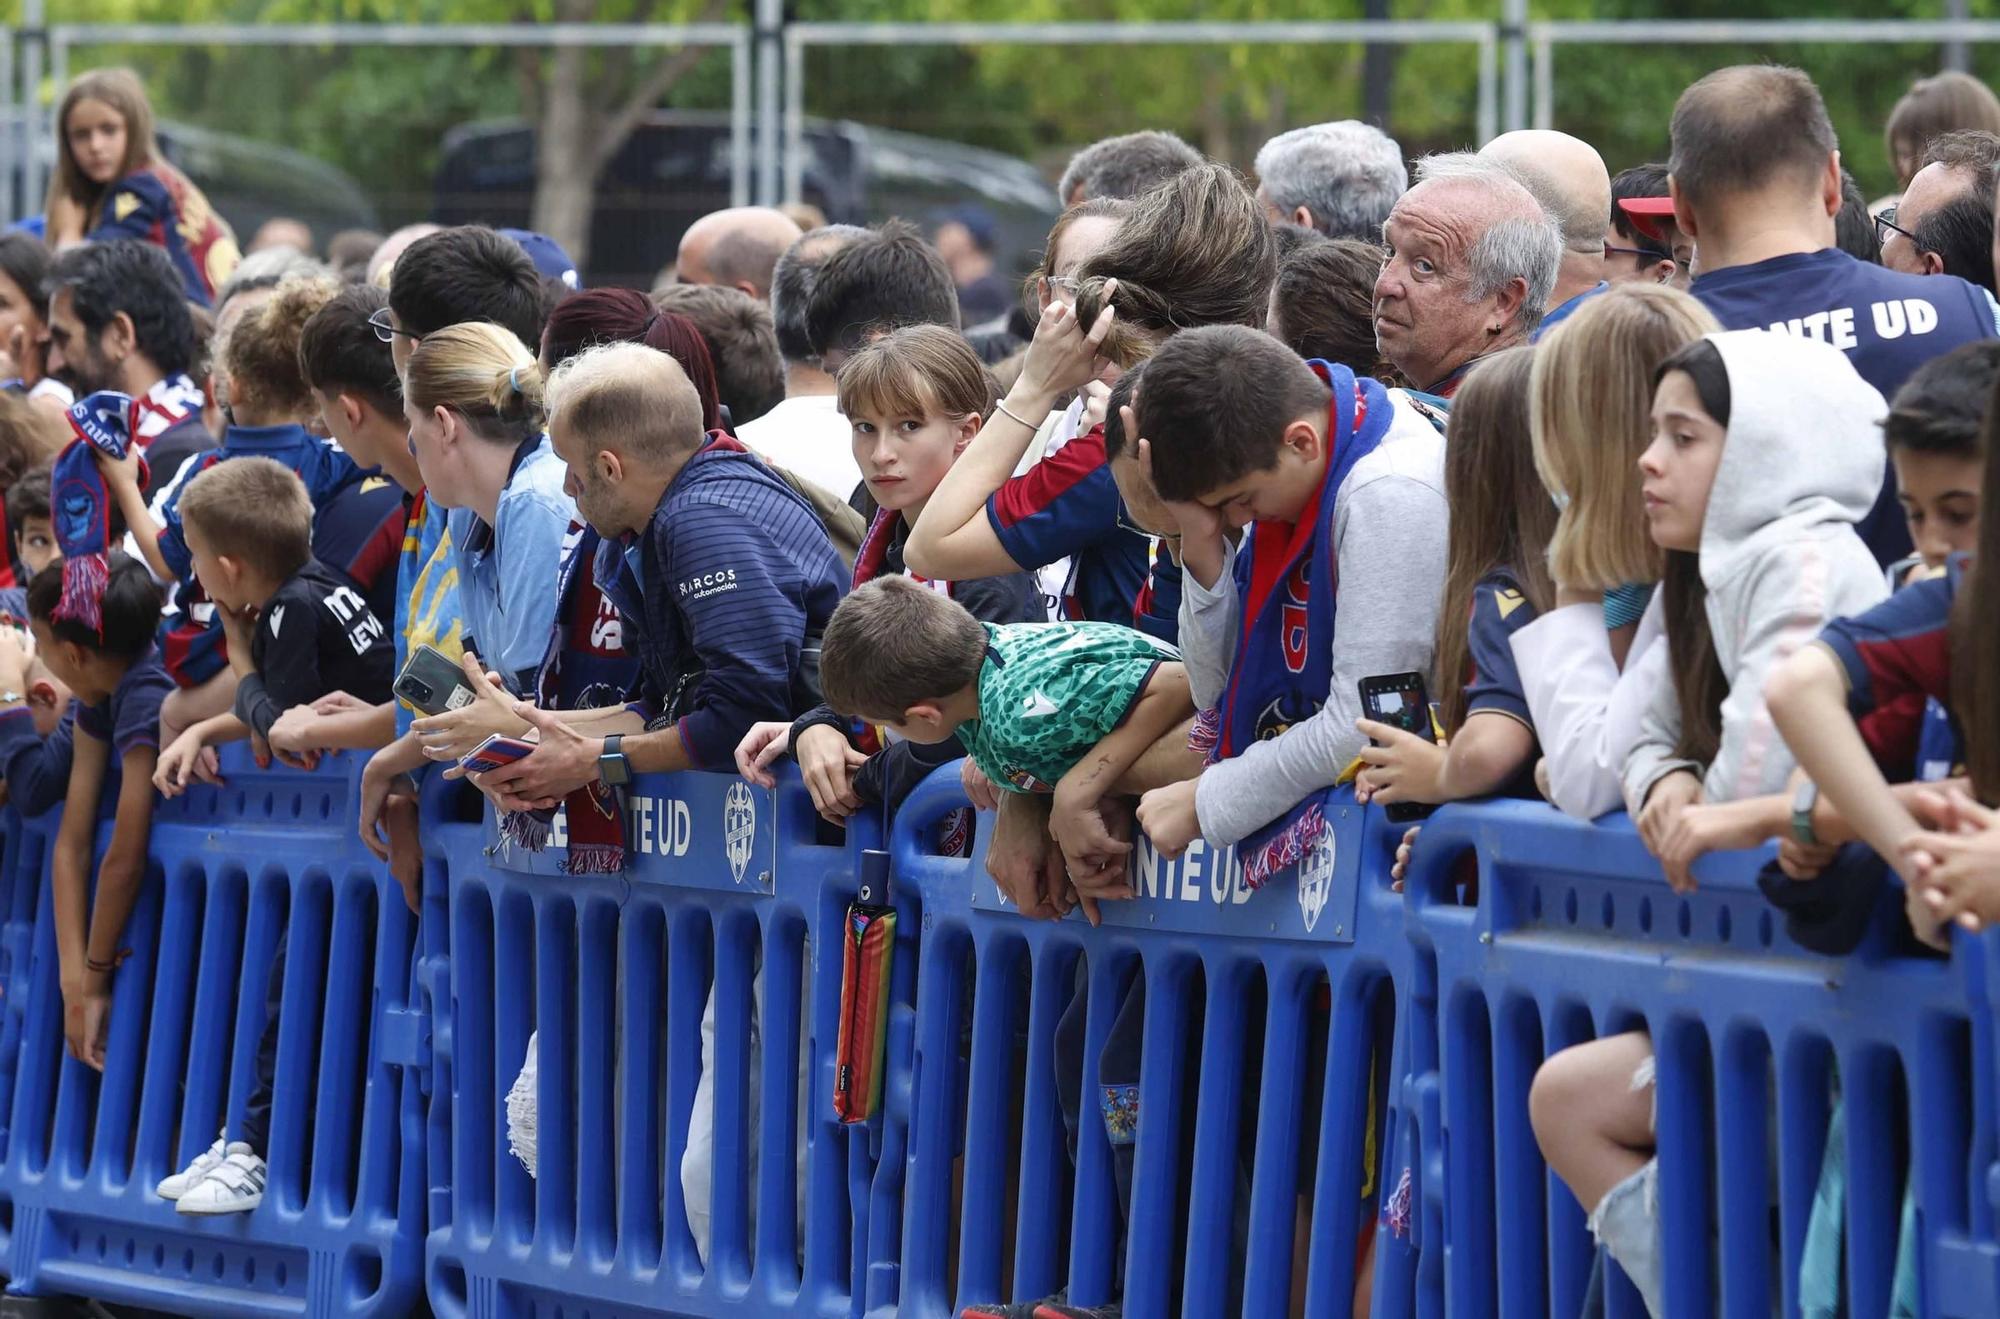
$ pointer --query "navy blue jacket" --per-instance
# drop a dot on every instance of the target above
(736, 580)
(1887, 323)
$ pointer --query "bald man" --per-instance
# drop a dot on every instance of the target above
(1567, 176)
(737, 248)
(1444, 299)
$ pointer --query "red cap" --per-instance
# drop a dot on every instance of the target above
(1646, 214)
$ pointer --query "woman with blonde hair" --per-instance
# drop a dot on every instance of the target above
(111, 181)
(1589, 666)
(473, 397)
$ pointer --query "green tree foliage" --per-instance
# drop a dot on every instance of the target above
(382, 114)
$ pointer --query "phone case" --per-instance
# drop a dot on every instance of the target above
(868, 948)
(432, 683)
(493, 753)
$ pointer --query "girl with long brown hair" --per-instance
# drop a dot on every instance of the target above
(1767, 450)
(1496, 581)
(111, 181)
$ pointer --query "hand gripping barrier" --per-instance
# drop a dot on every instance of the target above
(1575, 934)
(1234, 1066)
(233, 868)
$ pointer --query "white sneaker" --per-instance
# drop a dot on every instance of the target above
(206, 1162)
(235, 1186)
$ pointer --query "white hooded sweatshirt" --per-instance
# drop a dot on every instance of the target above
(1802, 462)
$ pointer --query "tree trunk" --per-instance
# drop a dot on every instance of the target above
(566, 157)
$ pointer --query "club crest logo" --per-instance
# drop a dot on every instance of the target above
(739, 828)
(1316, 877)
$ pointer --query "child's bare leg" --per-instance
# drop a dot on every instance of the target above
(1594, 1128)
(1168, 760)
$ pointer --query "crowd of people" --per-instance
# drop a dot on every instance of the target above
(1667, 484)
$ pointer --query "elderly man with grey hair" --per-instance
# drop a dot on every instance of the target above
(1567, 176)
(1472, 260)
(1340, 178)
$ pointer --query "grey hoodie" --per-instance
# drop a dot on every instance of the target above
(1801, 463)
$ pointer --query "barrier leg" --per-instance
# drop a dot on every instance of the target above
(1212, 1185)
(1047, 1181)
(989, 1135)
(1520, 1175)
(1154, 1234)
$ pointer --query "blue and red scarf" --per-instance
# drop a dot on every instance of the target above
(80, 503)
(588, 666)
(1288, 578)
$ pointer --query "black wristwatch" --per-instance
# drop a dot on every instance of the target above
(612, 766)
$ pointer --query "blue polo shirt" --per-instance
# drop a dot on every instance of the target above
(507, 572)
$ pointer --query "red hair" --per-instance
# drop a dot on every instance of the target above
(612, 315)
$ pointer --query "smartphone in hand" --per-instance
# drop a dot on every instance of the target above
(432, 683)
(494, 752)
(1400, 700)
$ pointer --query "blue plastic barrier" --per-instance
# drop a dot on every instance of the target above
(1575, 934)
(1297, 1042)
(340, 1228)
(614, 972)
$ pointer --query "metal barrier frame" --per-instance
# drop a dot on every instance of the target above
(734, 37)
(797, 37)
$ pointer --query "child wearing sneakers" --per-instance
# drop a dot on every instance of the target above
(296, 632)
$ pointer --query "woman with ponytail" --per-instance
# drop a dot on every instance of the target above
(473, 396)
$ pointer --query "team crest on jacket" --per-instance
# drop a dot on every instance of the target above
(739, 828)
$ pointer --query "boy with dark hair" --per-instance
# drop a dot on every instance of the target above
(887, 280)
(115, 672)
(353, 378)
(1323, 469)
(296, 633)
(742, 342)
(119, 320)
(1062, 708)
(28, 521)
(1935, 433)
(467, 273)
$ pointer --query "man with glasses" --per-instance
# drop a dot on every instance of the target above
(1755, 180)
(469, 273)
(1943, 224)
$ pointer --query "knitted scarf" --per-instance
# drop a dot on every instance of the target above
(80, 503)
(587, 667)
(1289, 580)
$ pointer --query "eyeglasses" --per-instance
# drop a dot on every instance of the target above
(386, 331)
(1064, 287)
(1887, 220)
(1643, 253)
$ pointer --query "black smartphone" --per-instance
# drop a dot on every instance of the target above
(433, 683)
(1400, 700)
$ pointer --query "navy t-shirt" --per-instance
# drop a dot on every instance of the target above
(1067, 506)
(1888, 323)
(131, 718)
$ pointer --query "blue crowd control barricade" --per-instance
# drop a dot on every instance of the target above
(1574, 934)
(23, 845)
(232, 869)
(727, 896)
(1263, 1053)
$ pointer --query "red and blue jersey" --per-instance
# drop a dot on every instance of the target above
(159, 206)
(1067, 506)
(1897, 657)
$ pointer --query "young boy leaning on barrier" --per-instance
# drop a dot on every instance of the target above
(1085, 711)
(296, 633)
